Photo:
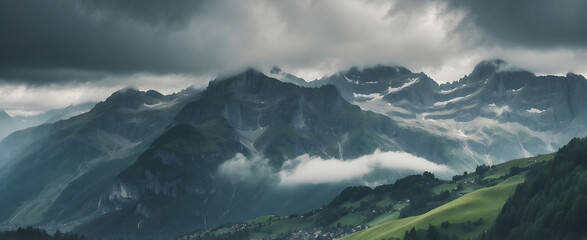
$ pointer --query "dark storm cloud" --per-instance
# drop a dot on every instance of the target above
(526, 23)
(170, 13)
(47, 41)
(68, 49)
(44, 42)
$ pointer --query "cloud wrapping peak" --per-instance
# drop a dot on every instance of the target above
(22, 99)
(65, 41)
(306, 169)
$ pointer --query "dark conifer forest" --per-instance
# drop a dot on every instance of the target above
(553, 203)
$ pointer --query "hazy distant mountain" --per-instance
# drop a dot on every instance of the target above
(69, 111)
(59, 173)
(9, 124)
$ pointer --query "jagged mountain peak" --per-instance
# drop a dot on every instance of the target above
(571, 75)
(252, 81)
(486, 68)
(378, 69)
(4, 115)
(487, 71)
(391, 83)
(275, 70)
(255, 91)
(131, 98)
(136, 92)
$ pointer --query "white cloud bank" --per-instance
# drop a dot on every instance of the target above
(315, 170)
(26, 100)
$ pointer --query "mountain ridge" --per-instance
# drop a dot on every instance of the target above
(197, 158)
(61, 154)
(11, 124)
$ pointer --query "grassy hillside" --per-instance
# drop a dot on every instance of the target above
(550, 203)
(469, 215)
(465, 206)
(482, 204)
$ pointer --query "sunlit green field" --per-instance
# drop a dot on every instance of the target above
(483, 203)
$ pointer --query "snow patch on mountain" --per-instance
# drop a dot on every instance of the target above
(350, 80)
(462, 134)
(456, 99)
(378, 105)
(515, 90)
(160, 105)
(448, 91)
(367, 97)
(397, 89)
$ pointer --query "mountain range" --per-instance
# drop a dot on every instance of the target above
(496, 113)
(10, 124)
(145, 164)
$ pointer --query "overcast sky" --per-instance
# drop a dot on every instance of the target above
(61, 52)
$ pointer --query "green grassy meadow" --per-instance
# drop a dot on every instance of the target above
(483, 203)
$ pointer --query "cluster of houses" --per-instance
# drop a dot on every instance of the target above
(315, 233)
